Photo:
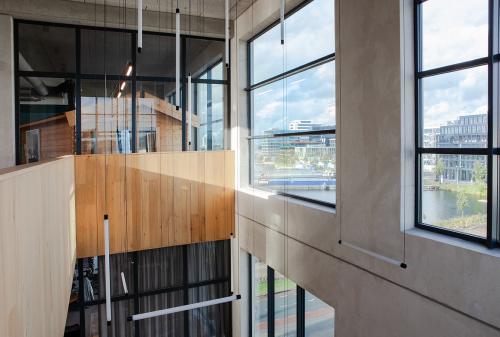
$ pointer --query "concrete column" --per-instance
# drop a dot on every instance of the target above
(7, 108)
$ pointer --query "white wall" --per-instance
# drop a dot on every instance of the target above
(7, 115)
(451, 287)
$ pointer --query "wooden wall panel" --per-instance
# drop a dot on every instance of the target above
(156, 199)
(37, 248)
(215, 215)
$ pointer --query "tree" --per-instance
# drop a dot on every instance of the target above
(439, 169)
(462, 202)
(479, 172)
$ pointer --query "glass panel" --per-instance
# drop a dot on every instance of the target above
(453, 31)
(202, 55)
(159, 124)
(208, 119)
(96, 325)
(268, 109)
(46, 48)
(157, 57)
(307, 40)
(310, 99)
(455, 107)
(160, 268)
(259, 298)
(208, 261)
(106, 119)
(319, 317)
(118, 263)
(285, 306)
(162, 326)
(105, 52)
(454, 192)
(267, 56)
(46, 118)
(212, 320)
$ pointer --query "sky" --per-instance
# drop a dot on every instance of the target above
(453, 32)
(310, 95)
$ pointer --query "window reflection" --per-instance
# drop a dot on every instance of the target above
(46, 118)
(259, 298)
(319, 317)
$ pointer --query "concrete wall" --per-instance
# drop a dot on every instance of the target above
(451, 287)
(7, 116)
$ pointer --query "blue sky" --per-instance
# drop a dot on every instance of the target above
(310, 94)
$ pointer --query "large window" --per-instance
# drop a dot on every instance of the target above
(156, 279)
(86, 90)
(279, 307)
(456, 103)
(292, 105)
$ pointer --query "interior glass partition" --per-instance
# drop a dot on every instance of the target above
(116, 100)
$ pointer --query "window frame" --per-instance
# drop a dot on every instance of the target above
(250, 87)
(271, 317)
(490, 151)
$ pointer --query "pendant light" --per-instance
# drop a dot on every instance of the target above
(177, 56)
(282, 21)
(226, 28)
(139, 26)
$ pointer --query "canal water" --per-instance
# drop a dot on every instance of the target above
(442, 205)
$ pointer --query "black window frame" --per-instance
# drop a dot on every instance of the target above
(271, 317)
(250, 87)
(78, 75)
(135, 294)
(490, 152)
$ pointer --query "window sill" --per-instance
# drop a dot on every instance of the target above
(453, 241)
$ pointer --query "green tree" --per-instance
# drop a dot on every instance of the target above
(479, 172)
(439, 169)
(462, 202)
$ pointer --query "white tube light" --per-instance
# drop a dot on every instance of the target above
(227, 31)
(124, 283)
(119, 94)
(181, 308)
(190, 115)
(177, 58)
(106, 268)
(123, 85)
(282, 21)
(139, 26)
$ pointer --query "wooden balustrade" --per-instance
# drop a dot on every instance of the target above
(153, 199)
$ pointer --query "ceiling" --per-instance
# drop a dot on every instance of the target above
(205, 8)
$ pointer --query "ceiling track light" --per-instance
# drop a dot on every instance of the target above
(226, 15)
(139, 26)
(177, 57)
(282, 21)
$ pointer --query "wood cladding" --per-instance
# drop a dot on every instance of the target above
(37, 247)
(153, 199)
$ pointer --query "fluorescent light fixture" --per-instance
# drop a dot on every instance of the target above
(124, 283)
(139, 26)
(227, 31)
(181, 308)
(129, 70)
(177, 58)
(119, 94)
(106, 268)
(190, 118)
(282, 21)
(124, 83)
